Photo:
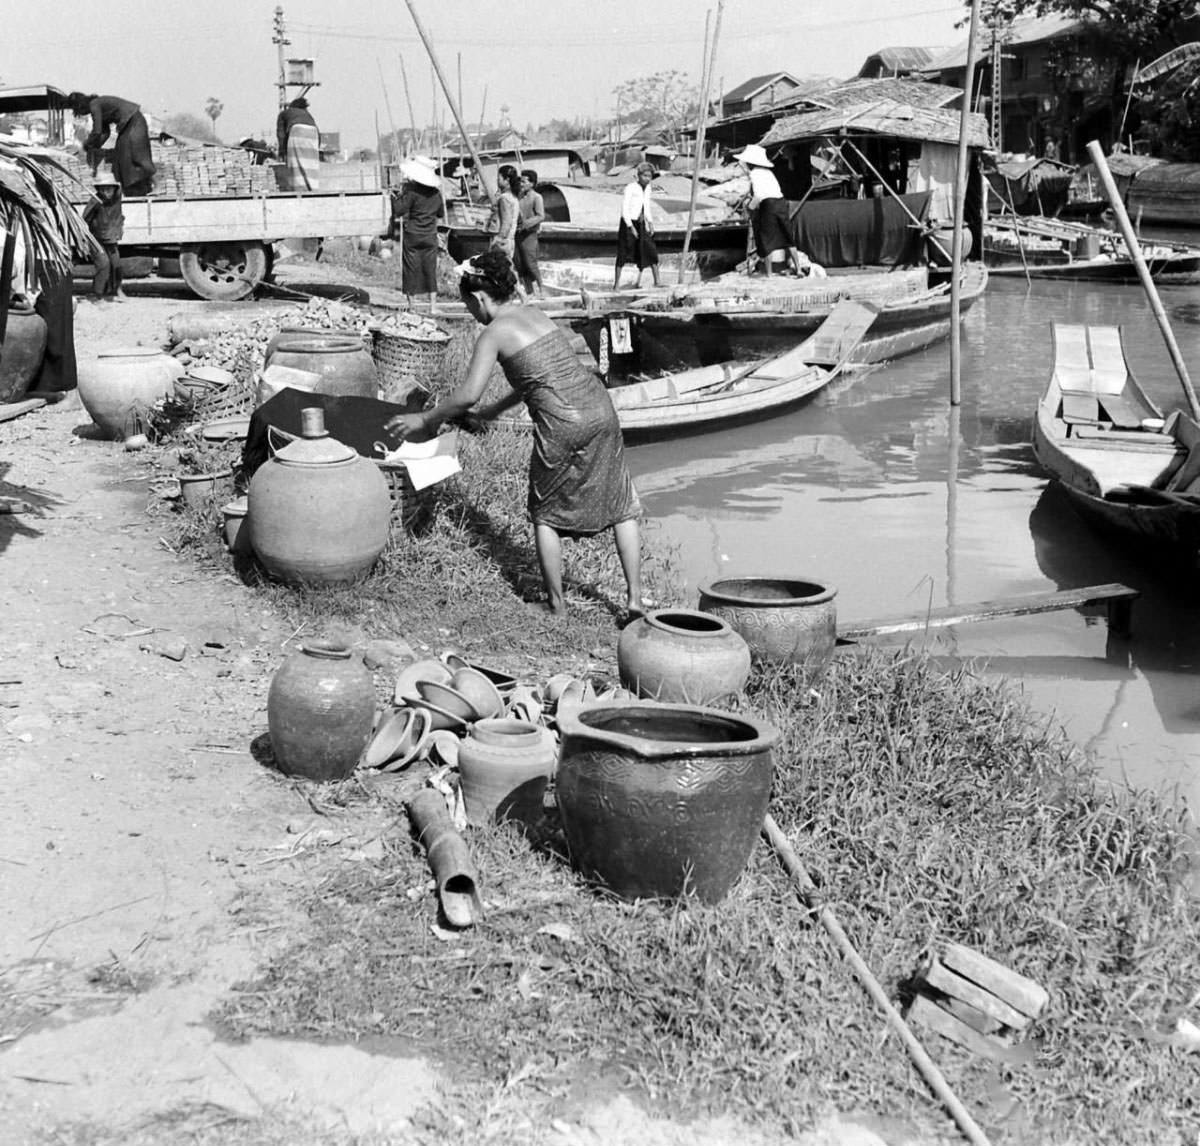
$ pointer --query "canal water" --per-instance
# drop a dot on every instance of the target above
(879, 488)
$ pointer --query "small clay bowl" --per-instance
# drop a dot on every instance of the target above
(439, 718)
(427, 669)
(449, 699)
(503, 682)
(399, 733)
(480, 691)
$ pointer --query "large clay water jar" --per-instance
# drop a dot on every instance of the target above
(682, 656)
(940, 245)
(318, 512)
(342, 362)
(783, 620)
(662, 800)
(292, 331)
(320, 708)
(119, 384)
(504, 765)
(21, 355)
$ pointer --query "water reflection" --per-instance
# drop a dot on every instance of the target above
(879, 488)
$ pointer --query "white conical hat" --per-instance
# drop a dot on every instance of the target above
(420, 169)
(753, 155)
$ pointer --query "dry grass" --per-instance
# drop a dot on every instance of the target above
(925, 806)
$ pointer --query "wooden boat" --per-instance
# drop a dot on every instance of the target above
(666, 337)
(1057, 249)
(1126, 469)
(735, 392)
(581, 223)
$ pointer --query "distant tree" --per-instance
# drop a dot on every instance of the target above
(187, 124)
(558, 130)
(212, 109)
(665, 100)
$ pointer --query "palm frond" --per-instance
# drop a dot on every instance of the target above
(1167, 62)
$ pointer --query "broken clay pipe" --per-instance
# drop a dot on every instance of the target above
(449, 859)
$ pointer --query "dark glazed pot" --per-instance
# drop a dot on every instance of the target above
(320, 708)
(682, 656)
(342, 362)
(24, 344)
(663, 800)
(783, 620)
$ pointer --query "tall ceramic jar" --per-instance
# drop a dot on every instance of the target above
(662, 800)
(342, 362)
(119, 384)
(682, 656)
(320, 708)
(783, 620)
(318, 512)
(504, 765)
(24, 345)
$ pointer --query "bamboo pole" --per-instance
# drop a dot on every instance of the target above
(960, 207)
(446, 88)
(1096, 153)
(705, 80)
(391, 119)
(412, 119)
(829, 921)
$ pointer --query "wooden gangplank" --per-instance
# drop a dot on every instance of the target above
(1118, 599)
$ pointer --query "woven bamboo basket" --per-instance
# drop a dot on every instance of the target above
(398, 356)
(412, 509)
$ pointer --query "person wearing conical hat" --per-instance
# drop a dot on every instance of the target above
(769, 209)
(106, 220)
(417, 209)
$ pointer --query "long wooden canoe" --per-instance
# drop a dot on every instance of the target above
(1126, 469)
(735, 392)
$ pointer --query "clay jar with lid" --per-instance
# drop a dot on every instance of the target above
(682, 656)
(343, 364)
(504, 765)
(320, 708)
(318, 512)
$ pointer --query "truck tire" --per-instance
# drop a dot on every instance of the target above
(223, 272)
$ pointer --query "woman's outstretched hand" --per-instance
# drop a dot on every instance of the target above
(405, 426)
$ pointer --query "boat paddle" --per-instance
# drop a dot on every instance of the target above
(1135, 250)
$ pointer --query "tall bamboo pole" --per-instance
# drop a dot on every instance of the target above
(412, 119)
(391, 119)
(960, 207)
(710, 52)
(446, 88)
(1096, 153)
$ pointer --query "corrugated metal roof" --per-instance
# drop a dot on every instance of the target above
(901, 59)
(880, 117)
(756, 84)
(1024, 30)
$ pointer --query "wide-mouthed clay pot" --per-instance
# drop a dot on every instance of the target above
(662, 800)
(118, 387)
(788, 620)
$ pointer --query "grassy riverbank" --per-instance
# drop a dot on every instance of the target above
(927, 806)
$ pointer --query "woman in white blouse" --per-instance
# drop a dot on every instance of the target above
(635, 236)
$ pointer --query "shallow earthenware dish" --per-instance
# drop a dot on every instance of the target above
(427, 669)
(479, 690)
(449, 699)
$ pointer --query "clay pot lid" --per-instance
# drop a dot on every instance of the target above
(315, 447)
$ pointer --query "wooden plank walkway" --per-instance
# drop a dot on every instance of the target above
(1118, 598)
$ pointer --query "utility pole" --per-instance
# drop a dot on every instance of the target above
(280, 40)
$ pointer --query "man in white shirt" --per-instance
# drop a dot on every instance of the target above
(771, 231)
(635, 235)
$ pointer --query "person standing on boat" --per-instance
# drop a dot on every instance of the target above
(505, 211)
(579, 484)
(635, 234)
(299, 147)
(529, 223)
(769, 210)
(132, 162)
(419, 208)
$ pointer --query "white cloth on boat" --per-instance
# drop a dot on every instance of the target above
(934, 170)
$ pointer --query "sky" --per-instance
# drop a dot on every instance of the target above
(540, 59)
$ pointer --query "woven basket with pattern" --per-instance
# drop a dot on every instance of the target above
(398, 356)
(412, 509)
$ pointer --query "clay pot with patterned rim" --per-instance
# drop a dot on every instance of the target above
(320, 710)
(504, 765)
(783, 619)
(663, 800)
(319, 513)
(682, 656)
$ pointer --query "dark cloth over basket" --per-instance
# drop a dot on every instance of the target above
(861, 232)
